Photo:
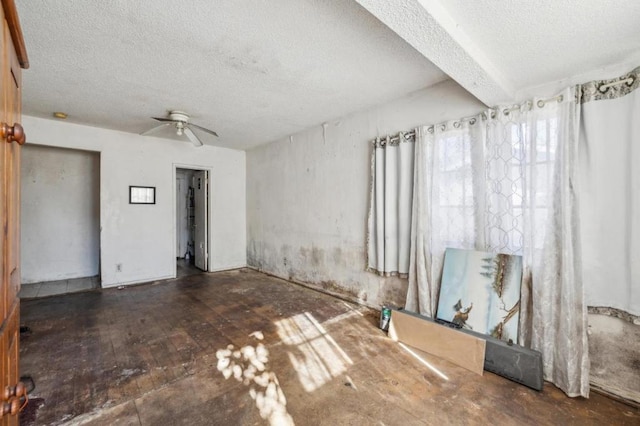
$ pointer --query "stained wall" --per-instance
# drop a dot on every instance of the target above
(308, 195)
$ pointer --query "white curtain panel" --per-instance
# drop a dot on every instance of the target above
(532, 210)
(504, 182)
(610, 194)
(445, 204)
(389, 224)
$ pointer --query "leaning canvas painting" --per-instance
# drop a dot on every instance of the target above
(481, 291)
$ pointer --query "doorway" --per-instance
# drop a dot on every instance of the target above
(60, 220)
(192, 227)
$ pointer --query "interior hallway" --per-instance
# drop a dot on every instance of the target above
(158, 354)
(184, 268)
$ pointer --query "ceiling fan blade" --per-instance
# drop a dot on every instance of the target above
(204, 130)
(192, 137)
(153, 129)
(165, 119)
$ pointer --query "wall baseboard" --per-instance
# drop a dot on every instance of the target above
(229, 268)
(342, 296)
(138, 282)
(602, 391)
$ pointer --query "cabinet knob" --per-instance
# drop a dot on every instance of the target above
(11, 408)
(13, 133)
(16, 406)
(15, 398)
(18, 391)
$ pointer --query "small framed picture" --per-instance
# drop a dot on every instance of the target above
(142, 195)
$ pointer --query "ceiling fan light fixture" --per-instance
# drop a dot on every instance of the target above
(181, 122)
(179, 128)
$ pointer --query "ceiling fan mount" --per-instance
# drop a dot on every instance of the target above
(180, 120)
(179, 116)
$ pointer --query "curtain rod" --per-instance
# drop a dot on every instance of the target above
(472, 119)
(603, 87)
(382, 141)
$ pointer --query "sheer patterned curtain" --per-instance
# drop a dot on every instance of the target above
(445, 204)
(389, 224)
(610, 195)
(532, 210)
(504, 182)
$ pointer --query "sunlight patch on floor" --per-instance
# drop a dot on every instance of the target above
(249, 366)
(342, 317)
(314, 354)
(351, 308)
(423, 361)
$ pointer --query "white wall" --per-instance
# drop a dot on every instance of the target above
(142, 237)
(307, 196)
(60, 214)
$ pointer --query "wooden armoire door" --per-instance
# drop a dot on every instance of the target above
(12, 393)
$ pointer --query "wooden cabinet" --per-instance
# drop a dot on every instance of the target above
(13, 58)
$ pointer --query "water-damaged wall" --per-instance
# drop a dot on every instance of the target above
(308, 195)
(614, 349)
(307, 205)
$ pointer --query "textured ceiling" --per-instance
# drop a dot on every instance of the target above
(254, 71)
(540, 41)
(499, 49)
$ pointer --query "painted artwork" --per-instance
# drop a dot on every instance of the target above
(480, 291)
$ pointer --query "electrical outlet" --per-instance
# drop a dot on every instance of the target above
(118, 267)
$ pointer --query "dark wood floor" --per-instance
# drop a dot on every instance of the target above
(242, 348)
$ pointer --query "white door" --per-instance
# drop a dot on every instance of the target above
(200, 184)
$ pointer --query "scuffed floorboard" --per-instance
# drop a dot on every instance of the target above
(243, 348)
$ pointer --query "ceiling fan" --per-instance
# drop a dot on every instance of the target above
(180, 120)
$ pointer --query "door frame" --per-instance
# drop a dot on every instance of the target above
(174, 226)
(96, 190)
